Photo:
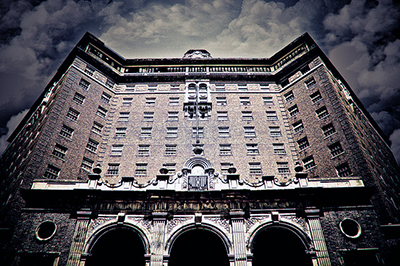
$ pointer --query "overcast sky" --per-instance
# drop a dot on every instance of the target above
(361, 38)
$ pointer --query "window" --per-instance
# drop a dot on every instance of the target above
(221, 101)
(328, 130)
(249, 132)
(247, 115)
(144, 150)
(110, 83)
(151, 101)
(116, 149)
(322, 112)
(59, 151)
(152, 87)
(73, 114)
(298, 126)
(289, 96)
(343, 170)
(222, 115)
(225, 167)
(275, 132)
(123, 116)
(148, 116)
(92, 145)
(145, 132)
(172, 132)
(244, 100)
(335, 149)
(223, 132)
(127, 101)
(264, 86)
(171, 167)
(105, 98)
(316, 97)
(87, 164)
(52, 172)
(66, 132)
(141, 169)
(283, 168)
(113, 169)
(310, 82)
(279, 148)
(173, 101)
(225, 149)
(303, 143)
(120, 132)
(102, 112)
(78, 98)
(255, 168)
(219, 87)
(308, 162)
(97, 128)
(242, 87)
(170, 149)
(268, 101)
(89, 70)
(84, 84)
(293, 110)
(271, 115)
(173, 116)
(252, 149)
(199, 131)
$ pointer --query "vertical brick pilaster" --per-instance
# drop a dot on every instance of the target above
(322, 255)
(239, 240)
(157, 239)
(78, 242)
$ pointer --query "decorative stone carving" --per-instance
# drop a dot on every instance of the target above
(140, 221)
(175, 222)
(100, 221)
(254, 220)
(224, 223)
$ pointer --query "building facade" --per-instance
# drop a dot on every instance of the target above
(199, 160)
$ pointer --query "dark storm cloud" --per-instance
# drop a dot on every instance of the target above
(359, 37)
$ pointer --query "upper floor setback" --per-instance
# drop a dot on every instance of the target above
(193, 61)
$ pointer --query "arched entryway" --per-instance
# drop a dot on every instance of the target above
(118, 246)
(279, 246)
(198, 247)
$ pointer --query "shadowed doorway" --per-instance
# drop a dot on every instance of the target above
(198, 248)
(279, 246)
(117, 247)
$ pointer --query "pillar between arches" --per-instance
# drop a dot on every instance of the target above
(158, 238)
(239, 238)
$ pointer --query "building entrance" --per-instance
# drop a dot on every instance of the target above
(198, 248)
(117, 247)
(279, 246)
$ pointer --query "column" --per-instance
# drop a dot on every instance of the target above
(322, 255)
(157, 238)
(78, 241)
(239, 241)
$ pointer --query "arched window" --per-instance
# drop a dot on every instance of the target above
(277, 244)
(117, 247)
(198, 247)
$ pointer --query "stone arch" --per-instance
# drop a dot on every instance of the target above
(282, 241)
(192, 162)
(305, 239)
(213, 229)
(198, 245)
(102, 230)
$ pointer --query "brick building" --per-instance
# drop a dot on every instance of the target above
(198, 160)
